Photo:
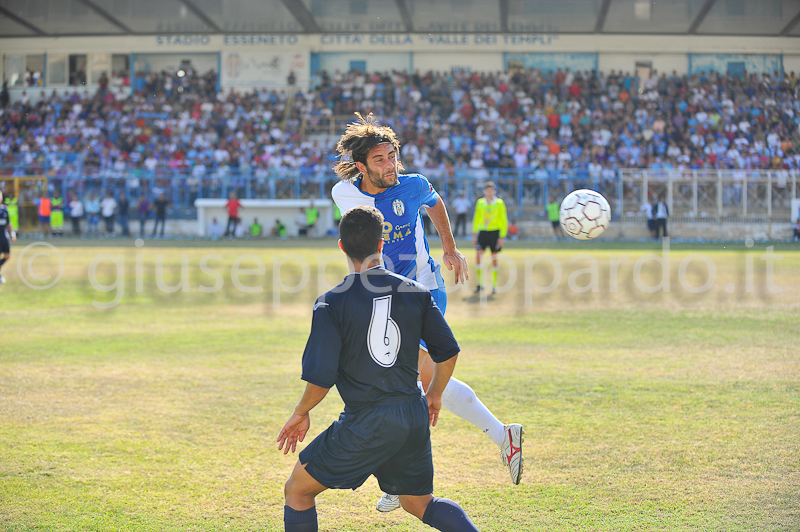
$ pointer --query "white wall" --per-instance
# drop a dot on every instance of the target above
(170, 62)
(260, 69)
(479, 62)
(791, 63)
(432, 51)
(267, 212)
(665, 63)
(422, 43)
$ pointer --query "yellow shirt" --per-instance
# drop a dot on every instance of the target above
(491, 216)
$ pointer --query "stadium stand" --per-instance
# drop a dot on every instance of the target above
(523, 119)
(183, 136)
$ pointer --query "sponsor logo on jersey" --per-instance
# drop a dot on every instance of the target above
(398, 207)
(393, 234)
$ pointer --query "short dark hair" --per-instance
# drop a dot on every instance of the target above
(361, 230)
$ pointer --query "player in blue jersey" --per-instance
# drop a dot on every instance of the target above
(371, 357)
(370, 175)
(6, 233)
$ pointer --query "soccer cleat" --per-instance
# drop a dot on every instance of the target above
(388, 503)
(494, 290)
(511, 451)
(477, 289)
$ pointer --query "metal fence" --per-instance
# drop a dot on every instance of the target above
(700, 194)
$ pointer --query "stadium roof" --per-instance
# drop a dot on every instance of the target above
(42, 18)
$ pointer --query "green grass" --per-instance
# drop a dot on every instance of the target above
(666, 411)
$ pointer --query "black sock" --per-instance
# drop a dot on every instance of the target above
(447, 516)
(305, 521)
(2, 261)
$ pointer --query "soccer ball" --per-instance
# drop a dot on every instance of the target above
(584, 214)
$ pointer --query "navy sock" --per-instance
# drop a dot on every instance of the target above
(2, 261)
(305, 521)
(447, 516)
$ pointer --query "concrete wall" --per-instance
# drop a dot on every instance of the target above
(435, 51)
(478, 62)
(665, 63)
(692, 231)
(791, 63)
(527, 229)
(202, 62)
(421, 43)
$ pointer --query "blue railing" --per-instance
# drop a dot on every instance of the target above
(521, 189)
(525, 191)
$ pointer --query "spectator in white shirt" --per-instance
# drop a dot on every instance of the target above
(75, 213)
(108, 208)
(461, 205)
(661, 214)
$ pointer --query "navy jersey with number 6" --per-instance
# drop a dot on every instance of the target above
(4, 221)
(365, 338)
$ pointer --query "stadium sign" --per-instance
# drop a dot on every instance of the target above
(183, 40)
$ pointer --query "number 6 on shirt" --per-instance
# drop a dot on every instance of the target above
(383, 338)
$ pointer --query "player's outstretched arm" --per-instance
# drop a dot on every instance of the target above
(453, 259)
(441, 376)
(298, 424)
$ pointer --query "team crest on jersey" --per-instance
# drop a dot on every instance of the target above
(398, 207)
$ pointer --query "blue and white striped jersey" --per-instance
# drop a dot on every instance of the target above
(405, 248)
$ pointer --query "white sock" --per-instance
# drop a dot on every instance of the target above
(461, 400)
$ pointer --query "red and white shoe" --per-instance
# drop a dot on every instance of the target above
(511, 451)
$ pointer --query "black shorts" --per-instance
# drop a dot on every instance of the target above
(488, 239)
(652, 224)
(391, 441)
(556, 223)
(5, 245)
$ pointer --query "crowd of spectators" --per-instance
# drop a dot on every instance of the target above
(593, 122)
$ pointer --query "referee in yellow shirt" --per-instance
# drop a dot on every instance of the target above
(489, 229)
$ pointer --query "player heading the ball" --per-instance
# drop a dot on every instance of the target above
(371, 175)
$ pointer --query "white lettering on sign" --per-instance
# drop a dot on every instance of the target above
(260, 40)
(183, 40)
(391, 38)
(346, 38)
(544, 39)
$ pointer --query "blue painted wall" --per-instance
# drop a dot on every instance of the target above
(723, 62)
(551, 62)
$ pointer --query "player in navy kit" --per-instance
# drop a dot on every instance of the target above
(6, 232)
(370, 175)
(364, 339)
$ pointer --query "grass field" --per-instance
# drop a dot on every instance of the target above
(643, 411)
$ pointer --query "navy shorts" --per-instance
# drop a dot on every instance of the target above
(5, 245)
(390, 440)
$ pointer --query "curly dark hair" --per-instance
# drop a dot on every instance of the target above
(358, 139)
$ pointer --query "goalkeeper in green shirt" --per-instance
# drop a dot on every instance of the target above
(490, 226)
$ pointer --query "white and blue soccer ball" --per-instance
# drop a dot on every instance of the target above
(584, 214)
